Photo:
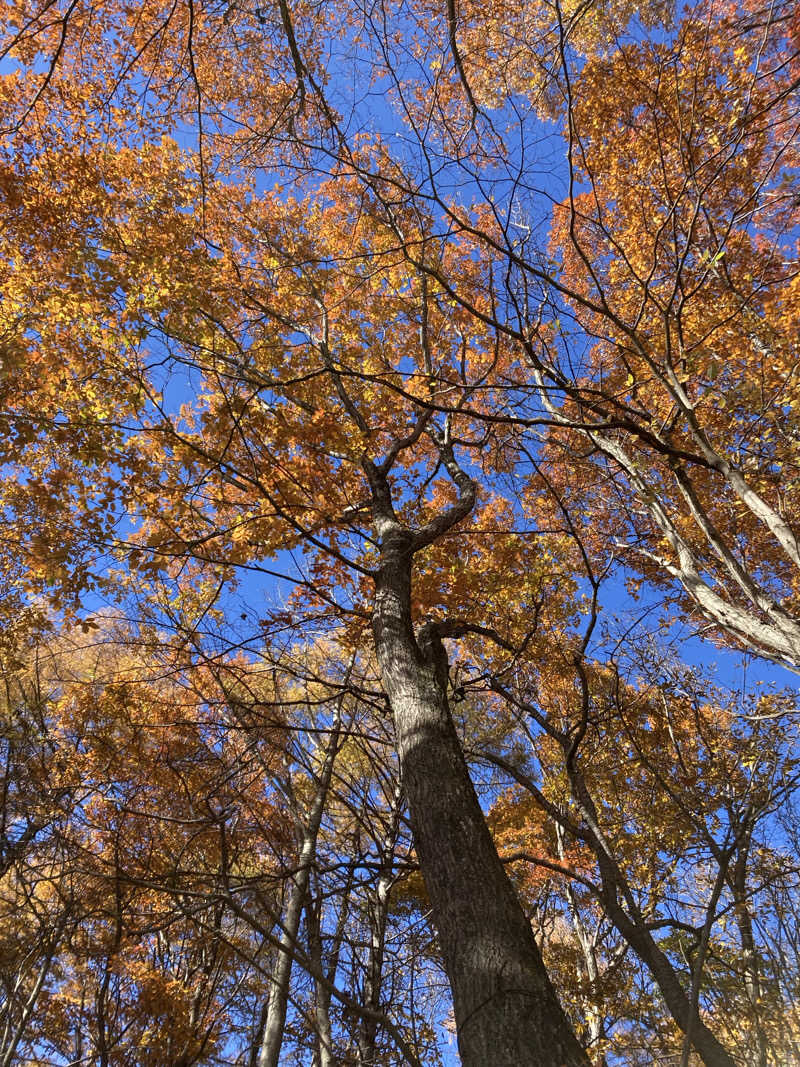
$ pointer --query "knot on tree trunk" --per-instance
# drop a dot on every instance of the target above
(434, 653)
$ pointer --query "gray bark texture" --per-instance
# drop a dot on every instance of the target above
(506, 1011)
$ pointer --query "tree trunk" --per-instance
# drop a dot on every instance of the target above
(323, 1052)
(704, 1042)
(378, 908)
(635, 931)
(274, 1019)
(507, 1013)
(595, 1020)
(744, 922)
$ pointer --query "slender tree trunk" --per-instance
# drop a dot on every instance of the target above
(274, 1020)
(635, 931)
(744, 922)
(507, 1013)
(378, 915)
(595, 1021)
(707, 1046)
(327, 964)
(10, 1046)
(323, 1053)
(274, 1017)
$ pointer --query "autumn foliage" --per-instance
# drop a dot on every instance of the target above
(395, 399)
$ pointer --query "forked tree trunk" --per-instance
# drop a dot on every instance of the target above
(507, 1013)
(639, 937)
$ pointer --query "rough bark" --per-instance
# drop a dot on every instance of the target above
(506, 1010)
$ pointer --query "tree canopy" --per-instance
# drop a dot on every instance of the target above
(393, 397)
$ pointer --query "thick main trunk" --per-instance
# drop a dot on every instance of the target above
(506, 1011)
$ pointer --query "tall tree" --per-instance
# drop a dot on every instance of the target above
(258, 327)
